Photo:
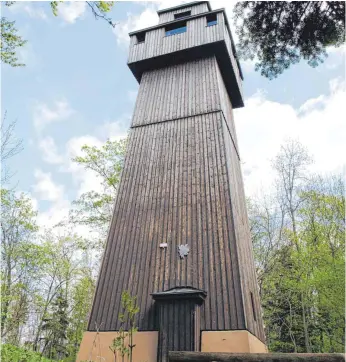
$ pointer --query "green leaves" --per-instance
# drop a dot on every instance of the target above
(298, 240)
(280, 33)
(93, 208)
(54, 7)
(127, 318)
(100, 10)
(10, 353)
(105, 6)
(10, 42)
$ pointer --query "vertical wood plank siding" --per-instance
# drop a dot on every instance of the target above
(228, 42)
(245, 260)
(181, 184)
(178, 327)
(178, 91)
(169, 15)
(197, 34)
(156, 43)
(161, 190)
(226, 107)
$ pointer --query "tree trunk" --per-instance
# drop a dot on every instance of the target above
(6, 304)
(37, 336)
(306, 332)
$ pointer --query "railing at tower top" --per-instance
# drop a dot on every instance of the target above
(254, 357)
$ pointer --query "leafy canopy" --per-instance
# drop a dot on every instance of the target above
(94, 208)
(10, 41)
(280, 33)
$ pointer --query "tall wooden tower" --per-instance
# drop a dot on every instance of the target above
(179, 238)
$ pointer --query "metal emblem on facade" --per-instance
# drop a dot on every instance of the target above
(183, 250)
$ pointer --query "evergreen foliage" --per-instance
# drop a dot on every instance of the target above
(280, 33)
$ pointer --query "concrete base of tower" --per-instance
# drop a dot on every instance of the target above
(231, 341)
(95, 347)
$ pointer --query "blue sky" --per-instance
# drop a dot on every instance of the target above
(76, 88)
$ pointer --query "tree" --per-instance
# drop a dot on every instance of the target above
(94, 209)
(128, 319)
(298, 240)
(98, 8)
(10, 146)
(321, 231)
(18, 255)
(55, 327)
(280, 33)
(80, 305)
(267, 222)
(62, 267)
(11, 40)
(291, 165)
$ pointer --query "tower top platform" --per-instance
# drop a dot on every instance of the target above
(186, 33)
(183, 6)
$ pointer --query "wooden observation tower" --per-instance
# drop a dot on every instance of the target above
(179, 238)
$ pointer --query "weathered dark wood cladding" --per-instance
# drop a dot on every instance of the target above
(178, 326)
(178, 91)
(227, 109)
(245, 260)
(181, 184)
(183, 90)
(207, 40)
(195, 9)
(193, 209)
(157, 43)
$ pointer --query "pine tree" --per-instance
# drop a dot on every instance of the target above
(55, 327)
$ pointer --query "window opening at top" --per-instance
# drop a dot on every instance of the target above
(211, 19)
(176, 28)
(140, 37)
(182, 15)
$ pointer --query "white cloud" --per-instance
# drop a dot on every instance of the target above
(115, 130)
(34, 11)
(146, 18)
(83, 179)
(312, 103)
(263, 125)
(28, 195)
(49, 151)
(45, 115)
(72, 10)
(28, 56)
(335, 58)
(34, 202)
(341, 50)
(86, 180)
(57, 212)
(45, 189)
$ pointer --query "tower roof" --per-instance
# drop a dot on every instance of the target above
(185, 5)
